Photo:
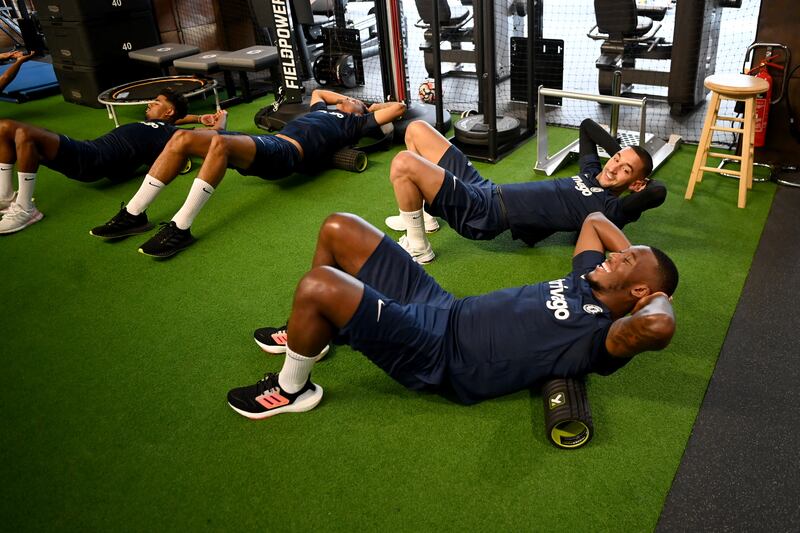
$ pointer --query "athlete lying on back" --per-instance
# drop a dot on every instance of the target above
(117, 155)
(364, 290)
(435, 172)
(305, 144)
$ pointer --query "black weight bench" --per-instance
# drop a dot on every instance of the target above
(250, 59)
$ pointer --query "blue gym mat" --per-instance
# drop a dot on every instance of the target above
(34, 80)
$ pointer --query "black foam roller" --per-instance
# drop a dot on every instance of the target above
(568, 417)
(349, 159)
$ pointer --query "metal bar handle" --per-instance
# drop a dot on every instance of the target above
(620, 100)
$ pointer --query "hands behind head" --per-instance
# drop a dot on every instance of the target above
(638, 185)
(647, 300)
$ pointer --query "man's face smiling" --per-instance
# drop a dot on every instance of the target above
(623, 269)
(621, 171)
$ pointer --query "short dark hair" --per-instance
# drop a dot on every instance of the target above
(646, 158)
(667, 272)
(178, 101)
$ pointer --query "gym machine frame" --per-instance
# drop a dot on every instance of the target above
(659, 149)
(394, 74)
(487, 81)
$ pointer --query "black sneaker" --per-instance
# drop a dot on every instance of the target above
(122, 225)
(273, 340)
(169, 240)
(265, 398)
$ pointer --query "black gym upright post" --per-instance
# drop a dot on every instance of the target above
(279, 18)
(497, 144)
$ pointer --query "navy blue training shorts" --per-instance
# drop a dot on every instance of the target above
(75, 159)
(401, 321)
(275, 158)
(466, 200)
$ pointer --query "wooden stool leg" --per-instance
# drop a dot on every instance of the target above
(716, 101)
(702, 147)
(747, 152)
(752, 146)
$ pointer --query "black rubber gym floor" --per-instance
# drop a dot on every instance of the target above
(741, 469)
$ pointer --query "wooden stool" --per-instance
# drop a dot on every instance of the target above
(729, 87)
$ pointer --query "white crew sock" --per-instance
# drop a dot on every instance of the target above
(6, 176)
(27, 182)
(415, 229)
(295, 371)
(145, 195)
(197, 198)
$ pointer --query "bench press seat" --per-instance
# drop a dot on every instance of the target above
(163, 55)
(205, 64)
(250, 59)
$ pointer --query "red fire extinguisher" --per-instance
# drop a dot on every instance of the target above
(763, 100)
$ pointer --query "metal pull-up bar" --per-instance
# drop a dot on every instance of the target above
(547, 164)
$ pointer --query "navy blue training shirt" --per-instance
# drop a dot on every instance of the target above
(125, 148)
(322, 132)
(560, 204)
(512, 339)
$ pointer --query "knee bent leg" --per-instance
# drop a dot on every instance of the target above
(179, 142)
(335, 227)
(402, 165)
(317, 288)
(219, 146)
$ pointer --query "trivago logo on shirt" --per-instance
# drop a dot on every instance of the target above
(583, 188)
(557, 302)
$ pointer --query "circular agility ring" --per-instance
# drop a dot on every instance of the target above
(144, 91)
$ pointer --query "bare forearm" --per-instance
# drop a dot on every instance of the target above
(610, 235)
(329, 97)
(387, 112)
(217, 121)
(9, 75)
(599, 233)
(382, 105)
(650, 328)
(188, 119)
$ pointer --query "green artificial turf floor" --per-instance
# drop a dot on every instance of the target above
(115, 366)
